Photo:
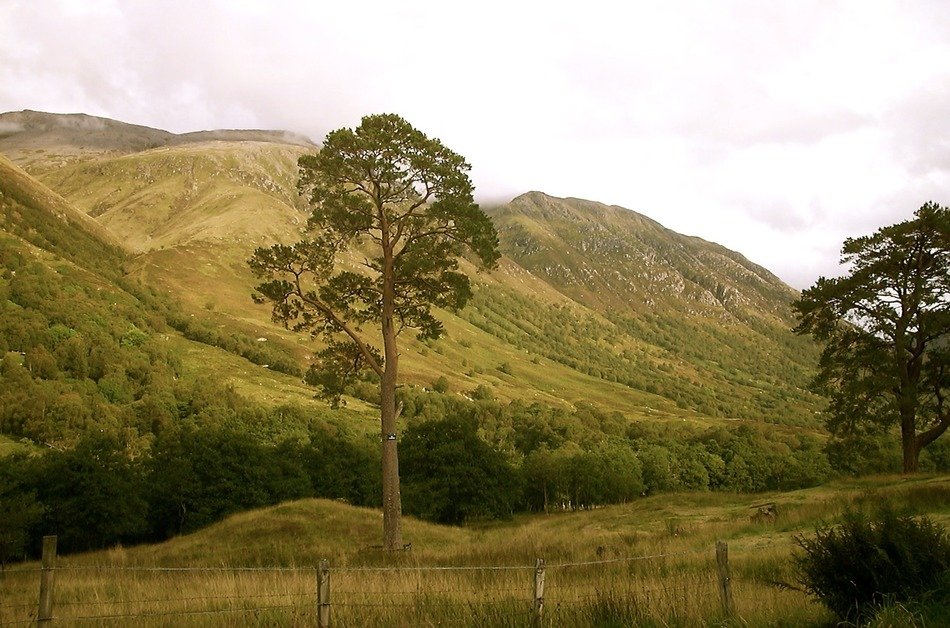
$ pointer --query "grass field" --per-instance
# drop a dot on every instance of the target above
(651, 562)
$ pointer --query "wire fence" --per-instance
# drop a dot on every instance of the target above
(687, 583)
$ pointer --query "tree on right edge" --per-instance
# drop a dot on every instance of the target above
(886, 330)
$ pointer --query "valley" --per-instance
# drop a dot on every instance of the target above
(612, 390)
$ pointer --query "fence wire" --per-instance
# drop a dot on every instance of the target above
(252, 596)
(348, 598)
(183, 569)
(177, 613)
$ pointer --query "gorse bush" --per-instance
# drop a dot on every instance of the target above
(868, 561)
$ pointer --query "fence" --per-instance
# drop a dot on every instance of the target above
(672, 585)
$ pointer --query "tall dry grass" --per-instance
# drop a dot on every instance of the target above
(676, 585)
(651, 562)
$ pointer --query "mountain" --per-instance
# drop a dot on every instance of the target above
(675, 315)
(606, 357)
(36, 139)
(590, 303)
(613, 257)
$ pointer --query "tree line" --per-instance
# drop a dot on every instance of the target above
(461, 461)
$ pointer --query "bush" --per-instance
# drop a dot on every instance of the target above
(868, 561)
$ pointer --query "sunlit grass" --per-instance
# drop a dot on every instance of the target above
(651, 562)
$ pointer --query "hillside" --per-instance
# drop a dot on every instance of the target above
(86, 348)
(590, 303)
(687, 318)
(37, 214)
(611, 257)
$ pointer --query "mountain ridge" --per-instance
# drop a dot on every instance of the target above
(25, 133)
(641, 312)
(630, 239)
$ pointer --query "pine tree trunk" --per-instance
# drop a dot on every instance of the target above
(909, 442)
(392, 502)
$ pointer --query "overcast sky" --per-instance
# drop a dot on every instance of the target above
(774, 128)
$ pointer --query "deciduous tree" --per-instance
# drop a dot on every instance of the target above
(402, 204)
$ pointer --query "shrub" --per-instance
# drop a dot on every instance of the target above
(870, 560)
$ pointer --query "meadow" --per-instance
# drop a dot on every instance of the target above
(648, 562)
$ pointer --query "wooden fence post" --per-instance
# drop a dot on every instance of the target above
(538, 591)
(323, 595)
(725, 583)
(44, 615)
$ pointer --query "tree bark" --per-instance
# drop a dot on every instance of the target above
(392, 500)
(909, 441)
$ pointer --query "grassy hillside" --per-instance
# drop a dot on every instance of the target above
(614, 257)
(86, 348)
(197, 192)
(38, 215)
(650, 562)
(680, 317)
(590, 303)
(304, 532)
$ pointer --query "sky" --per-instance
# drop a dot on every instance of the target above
(776, 128)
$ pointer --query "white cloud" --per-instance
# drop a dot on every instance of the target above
(774, 128)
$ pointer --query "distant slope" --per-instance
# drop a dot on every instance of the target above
(85, 348)
(40, 141)
(590, 302)
(681, 317)
(174, 195)
(38, 215)
(28, 131)
(611, 256)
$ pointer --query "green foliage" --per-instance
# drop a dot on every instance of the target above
(198, 476)
(731, 376)
(206, 332)
(868, 561)
(482, 393)
(885, 326)
(405, 201)
(93, 494)
(865, 452)
(30, 211)
(569, 477)
(345, 468)
(135, 337)
(20, 512)
(588, 457)
(451, 476)
(103, 492)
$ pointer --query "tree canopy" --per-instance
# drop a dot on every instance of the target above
(886, 329)
(401, 204)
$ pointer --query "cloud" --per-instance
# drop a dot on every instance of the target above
(921, 130)
(770, 127)
(781, 216)
(10, 128)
